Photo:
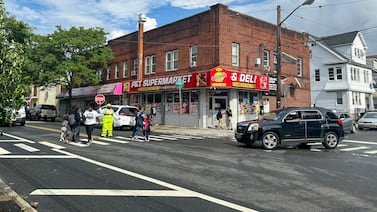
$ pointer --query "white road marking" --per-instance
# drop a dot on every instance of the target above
(27, 148)
(315, 150)
(186, 137)
(113, 140)
(3, 151)
(35, 156)
(100, 143)
(342, 145)
(124, 138)
(360, 142)
(163, 137)
(11, 141)
(55, 146)
(161, 183)
(78, 144)
(19, 138)
(111, 192)
(371, 152)
(354, 148)
(314, 144)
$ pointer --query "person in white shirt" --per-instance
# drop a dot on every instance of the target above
(90, 117)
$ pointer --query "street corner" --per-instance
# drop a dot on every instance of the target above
(11, 201)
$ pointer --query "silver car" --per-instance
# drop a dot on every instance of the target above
(368, 120)
(349, 124)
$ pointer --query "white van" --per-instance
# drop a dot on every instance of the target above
(124, 115)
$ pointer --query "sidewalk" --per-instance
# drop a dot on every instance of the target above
(204, 132)
(11, 201)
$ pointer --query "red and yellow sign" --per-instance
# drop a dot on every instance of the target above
(220, 77)
(217, 77)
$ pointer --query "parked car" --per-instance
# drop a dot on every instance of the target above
(368, 120)
(43, 111)
(298, 125)
(124, 115)
(19, 116)
(349, 124)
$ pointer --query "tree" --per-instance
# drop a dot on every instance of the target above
(71, 57)
(14, 39)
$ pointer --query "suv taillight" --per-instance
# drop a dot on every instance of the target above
(340, 121)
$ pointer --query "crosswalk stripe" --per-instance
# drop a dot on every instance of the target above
(371, 152)
(27, 148)
(3, 151)
(354, 148)
(78, 144)
(342, 145)
(163, 137)
(100, 143)
(186, 137)
(113, 140)
(55, 146)
(19, 138)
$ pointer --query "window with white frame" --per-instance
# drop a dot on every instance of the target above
(108, 71)
(99, 74)
(275, 61)
(172, 60)
(193, 56)
(357, 74)
(125, 69)
(339, 98)
(299, 66)
(150, 64)
(266, 57)
(117, 71)
(331, 74)
(366, 78)
(135, 67)
(339, 74)
(356, 98)
(317, 76)
(235, 54)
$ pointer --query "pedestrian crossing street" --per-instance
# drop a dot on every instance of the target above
(20, 145)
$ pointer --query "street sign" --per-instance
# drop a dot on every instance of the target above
(99, 99)
(179, 84)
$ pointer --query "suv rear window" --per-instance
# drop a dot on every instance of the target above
(49, 107)
(128, 111)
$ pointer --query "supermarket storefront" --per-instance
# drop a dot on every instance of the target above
(203, 94)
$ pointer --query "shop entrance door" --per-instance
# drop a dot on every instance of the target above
(218, 102)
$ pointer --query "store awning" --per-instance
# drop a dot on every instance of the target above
(79, 92)
(111, 89)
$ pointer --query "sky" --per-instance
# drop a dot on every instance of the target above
(120, 17)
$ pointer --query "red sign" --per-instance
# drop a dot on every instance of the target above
(220, 77)
(99, 99)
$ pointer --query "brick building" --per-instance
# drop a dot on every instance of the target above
(224, 59)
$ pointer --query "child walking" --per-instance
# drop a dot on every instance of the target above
(64, 130)
(146, 127)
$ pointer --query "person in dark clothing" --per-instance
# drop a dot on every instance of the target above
(75, 125)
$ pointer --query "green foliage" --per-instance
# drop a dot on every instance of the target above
(14, 40)
(70, 56)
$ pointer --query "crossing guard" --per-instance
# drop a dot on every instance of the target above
(107, 121)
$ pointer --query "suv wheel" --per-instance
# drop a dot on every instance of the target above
(270, 140)
(331, 140)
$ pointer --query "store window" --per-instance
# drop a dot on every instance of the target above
(190, 102)
(248, 103)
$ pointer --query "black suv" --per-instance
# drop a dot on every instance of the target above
(300, 125)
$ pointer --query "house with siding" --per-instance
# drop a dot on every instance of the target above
(339, 75)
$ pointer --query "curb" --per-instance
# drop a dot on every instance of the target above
(24, 206)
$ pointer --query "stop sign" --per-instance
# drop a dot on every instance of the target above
(99, 99)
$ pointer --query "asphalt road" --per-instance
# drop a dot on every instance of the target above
(173, 173)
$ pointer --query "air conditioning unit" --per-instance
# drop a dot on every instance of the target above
(257, 61)
(266, 67)
(193, 64)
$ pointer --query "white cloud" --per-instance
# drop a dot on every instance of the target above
(116, 34)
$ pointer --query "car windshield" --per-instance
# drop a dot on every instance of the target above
(270, 116)
(370, 115)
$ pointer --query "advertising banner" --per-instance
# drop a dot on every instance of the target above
(221, 78)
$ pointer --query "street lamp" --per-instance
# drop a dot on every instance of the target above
(142, 20)
(278, 46)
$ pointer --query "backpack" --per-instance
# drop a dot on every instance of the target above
(71, 119)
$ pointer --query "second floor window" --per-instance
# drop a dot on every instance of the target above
(135, 67)
(193, 56)
(299, 66)
(150, 64)
(317, 76)
(339, 98)
(266, 57)
(125, 69)
(331, 74)
(339, 74)
(99, 74)
(117, 71)
(235, 54)
(108, 72)
(172, 60)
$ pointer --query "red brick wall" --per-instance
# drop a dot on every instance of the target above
(214, 31)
